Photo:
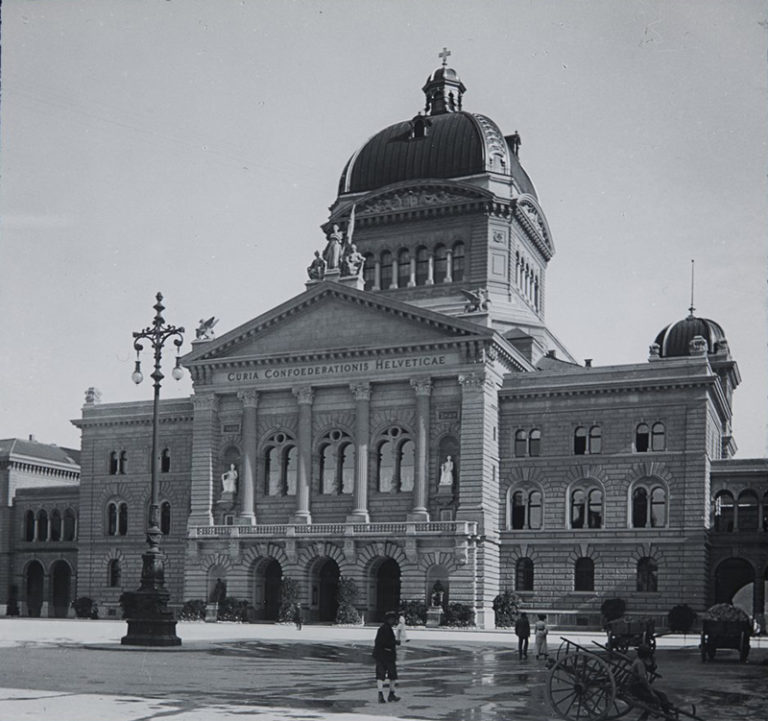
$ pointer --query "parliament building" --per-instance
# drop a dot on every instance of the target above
(410, 419)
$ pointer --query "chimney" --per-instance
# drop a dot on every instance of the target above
(587, 362)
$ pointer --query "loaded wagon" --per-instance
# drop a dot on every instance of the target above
(630, 631)
(725, 626)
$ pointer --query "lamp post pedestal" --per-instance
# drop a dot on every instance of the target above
(150, 623)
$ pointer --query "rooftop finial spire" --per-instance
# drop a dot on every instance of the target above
(692, 308)
(444, 56)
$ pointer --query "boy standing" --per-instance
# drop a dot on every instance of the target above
(523, 632)
(385, 654)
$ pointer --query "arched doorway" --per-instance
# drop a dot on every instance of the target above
(387, 577)
(35, 576)
(731, 575)
(273, 574)
(328, 591)
(61, 577)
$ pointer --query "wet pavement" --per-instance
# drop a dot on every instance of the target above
(226, 671)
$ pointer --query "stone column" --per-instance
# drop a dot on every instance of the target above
(250, 400)
(449, 266)
(377, 275)
(412, 274)
(362, 395)
(395, 272)
(431, 270)
(204, 437)
(423, 389)
(304, 396)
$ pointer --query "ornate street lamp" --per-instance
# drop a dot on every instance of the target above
(150, 623)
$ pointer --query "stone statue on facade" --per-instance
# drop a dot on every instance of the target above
(316, 269)
(446, 472)
(332, 252)
(353, 261)
(205, 329)
(229, 480)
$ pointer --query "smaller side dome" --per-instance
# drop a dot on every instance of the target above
(674, 341)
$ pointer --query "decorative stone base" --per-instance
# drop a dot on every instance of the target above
(211, 612)
(434, 616)
(151, 632)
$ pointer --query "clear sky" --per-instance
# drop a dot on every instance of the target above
(193, 147)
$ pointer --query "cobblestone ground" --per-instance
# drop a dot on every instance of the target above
(441, 679)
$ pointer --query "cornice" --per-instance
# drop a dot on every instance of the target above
(112, 421)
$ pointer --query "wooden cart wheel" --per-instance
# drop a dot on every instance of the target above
(581, 687)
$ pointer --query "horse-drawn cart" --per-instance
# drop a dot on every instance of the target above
(596, 685)
(725, 626)
(630, 631)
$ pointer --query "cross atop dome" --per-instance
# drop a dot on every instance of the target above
(444, 89)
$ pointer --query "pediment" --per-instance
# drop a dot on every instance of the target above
(330, 319)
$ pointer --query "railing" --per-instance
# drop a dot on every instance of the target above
(282, 530)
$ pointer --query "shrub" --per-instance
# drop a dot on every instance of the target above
(458, 614)
(347, 595)
(611, 609)
(415, 612)
(192, 610)
(289, 597)
(506, 606)
(680, 618)
(231, 609)
(85, 607)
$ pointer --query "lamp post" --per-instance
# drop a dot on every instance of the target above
(150, 623)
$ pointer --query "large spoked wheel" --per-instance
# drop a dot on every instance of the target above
(581, 687)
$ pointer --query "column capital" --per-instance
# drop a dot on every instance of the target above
(304, 394)
(472, 381)
(422, 386)
(361, 391)
(249, 398)
(205, 402)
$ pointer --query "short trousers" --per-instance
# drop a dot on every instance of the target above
(386, 669)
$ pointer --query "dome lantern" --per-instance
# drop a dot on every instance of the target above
(443, 89)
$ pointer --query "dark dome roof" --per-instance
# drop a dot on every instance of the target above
(455, 145)
(674, 340)
(444, 73)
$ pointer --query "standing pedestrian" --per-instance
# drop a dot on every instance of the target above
(523, 632)
(298, 616)
(540, 636)
(385, 654)
(401, 633)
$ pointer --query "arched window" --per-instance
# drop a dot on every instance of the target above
(534, 442)
(280, 465)
(647, 578)
(337, 463)
(165, 518)
(165, 461)
(42, 525)
(386, 269)
(369, 271)
(122, 463)
(764, 524)
(29, 526)
(639, 507)
(595, 509)
(534, 510)
(649, 507)
(395, 461)
(403, 268)
(586, 507)
(642, 438)
(723, 511)
(747, 511)
(422, 265)
(584, 575)
(517, 512)
(441, 264)
(112, 519)
(579, 441)
(521, 443)
(524, 574)
(56, 526)
(122, 519)
(114, 574)
(113, 464)
(457, 271)
(658, 507)
(658, 437)
(69, 525)
(595, 440)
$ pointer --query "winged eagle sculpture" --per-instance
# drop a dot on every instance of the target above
(205, 329)
(478, 300)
